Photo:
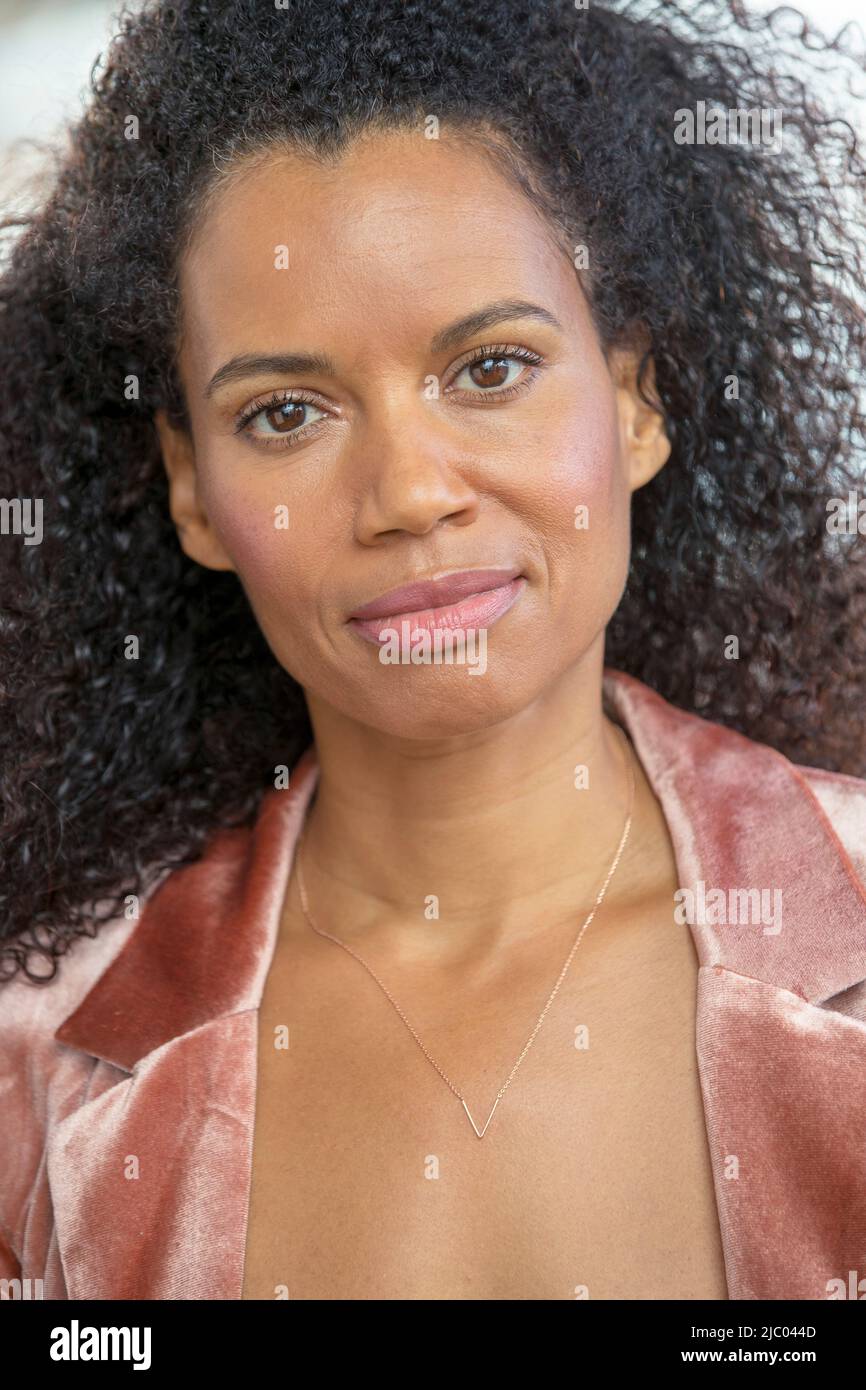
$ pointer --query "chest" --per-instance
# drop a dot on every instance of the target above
(592, 1180)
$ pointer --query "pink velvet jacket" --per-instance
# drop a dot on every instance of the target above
(146, 1044)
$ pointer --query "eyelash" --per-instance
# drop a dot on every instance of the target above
(497, 351)
(273, 402)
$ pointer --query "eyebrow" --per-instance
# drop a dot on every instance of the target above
(488, 317)
(300, 363)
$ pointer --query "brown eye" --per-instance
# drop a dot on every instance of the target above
(287, 416)
(491, 371)
(497, 372)
(280, 417)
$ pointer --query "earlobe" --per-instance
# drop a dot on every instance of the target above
(195, 533)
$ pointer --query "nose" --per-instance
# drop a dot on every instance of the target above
(412, 478)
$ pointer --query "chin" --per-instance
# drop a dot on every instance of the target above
(425, 703)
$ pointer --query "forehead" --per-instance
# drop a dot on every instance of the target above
(401, 229)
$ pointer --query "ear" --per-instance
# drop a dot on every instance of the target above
(197, 537)
(644, 445)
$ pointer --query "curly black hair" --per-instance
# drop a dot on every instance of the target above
(727, 261)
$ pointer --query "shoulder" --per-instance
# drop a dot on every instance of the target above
(771, 854)
(30, 1012)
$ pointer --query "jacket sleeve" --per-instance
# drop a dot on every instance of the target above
(41, 1082)
(22, 1077)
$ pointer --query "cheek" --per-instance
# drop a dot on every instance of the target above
(276, 556)
(254, 524)
(583, 509)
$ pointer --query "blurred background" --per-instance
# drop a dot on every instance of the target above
(48, 47)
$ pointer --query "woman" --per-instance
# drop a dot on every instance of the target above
(432, 772)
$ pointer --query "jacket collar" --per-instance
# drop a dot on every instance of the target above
(740, 815)
(203, 946)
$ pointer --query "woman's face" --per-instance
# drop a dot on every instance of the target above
(395, 453)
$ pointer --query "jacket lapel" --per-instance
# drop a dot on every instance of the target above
(783, 1074)
(158, 1158)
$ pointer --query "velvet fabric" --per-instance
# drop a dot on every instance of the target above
(128, 1087)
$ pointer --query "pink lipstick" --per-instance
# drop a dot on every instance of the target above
(467, 599)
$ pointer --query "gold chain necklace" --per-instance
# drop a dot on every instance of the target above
(555, 990)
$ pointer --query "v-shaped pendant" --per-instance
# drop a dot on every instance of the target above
(481, 1132)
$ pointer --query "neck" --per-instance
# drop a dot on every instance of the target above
(491, 824)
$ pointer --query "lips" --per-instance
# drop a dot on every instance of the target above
(433, 593)
(472, 600)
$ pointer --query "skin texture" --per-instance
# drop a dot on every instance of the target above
(422, 767)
